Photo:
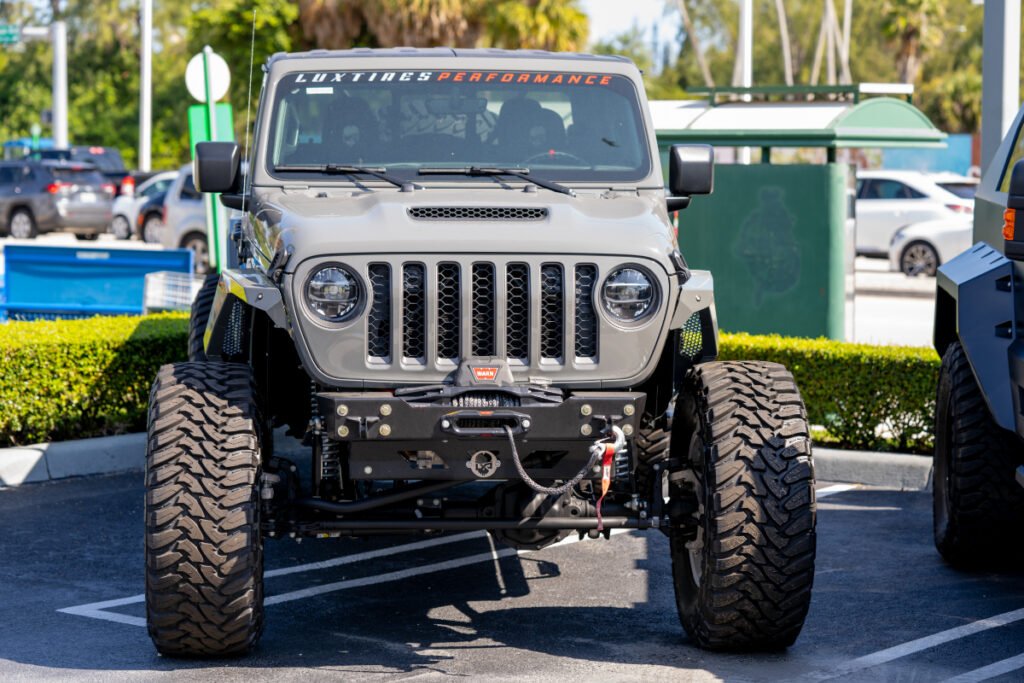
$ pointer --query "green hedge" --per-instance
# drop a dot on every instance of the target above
(71, 379)
(869, 397)
(78, 378)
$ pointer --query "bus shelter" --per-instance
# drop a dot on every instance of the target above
(780, 237)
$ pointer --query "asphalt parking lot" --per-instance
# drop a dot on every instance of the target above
(885, 606)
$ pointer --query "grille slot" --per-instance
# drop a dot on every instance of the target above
(448, 309)
(483, 310)
(517, 312)
(378, 318)
(586, 316)
(414, 312)
(478, 213)
(551, 311)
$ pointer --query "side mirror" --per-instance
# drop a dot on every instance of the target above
(1015, 200)
(691, 170)
(216, 167)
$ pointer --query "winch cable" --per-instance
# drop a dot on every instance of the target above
(597, 449)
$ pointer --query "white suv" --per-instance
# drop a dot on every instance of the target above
(890, 200)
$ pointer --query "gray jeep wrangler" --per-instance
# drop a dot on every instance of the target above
(456, 279)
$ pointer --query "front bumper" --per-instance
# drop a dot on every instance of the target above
(394, 438)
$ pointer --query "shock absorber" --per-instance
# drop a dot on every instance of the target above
(326, 454)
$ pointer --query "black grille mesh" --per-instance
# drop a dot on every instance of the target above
(483, 309)
(448, 311)
(586, 317)
(414, 311)
(551, 308)
(378, 319)
(517, 311)
(477, 213)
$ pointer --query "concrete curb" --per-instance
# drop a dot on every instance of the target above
(890, 470)
(62, 459)
(110, 454)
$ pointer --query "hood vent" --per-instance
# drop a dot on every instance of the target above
(478, 213)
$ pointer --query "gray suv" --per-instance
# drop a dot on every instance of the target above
(455, 278)
(47, 196)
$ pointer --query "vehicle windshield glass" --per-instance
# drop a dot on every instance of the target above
(562, 126)
(962, 190)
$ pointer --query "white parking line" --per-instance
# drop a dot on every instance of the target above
(827, 491)
(918, 645)
(98, 610)
(991, 671)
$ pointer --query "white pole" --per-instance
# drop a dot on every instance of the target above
(146, 87)
(1000, 69)
(59, 37)
(746, 46)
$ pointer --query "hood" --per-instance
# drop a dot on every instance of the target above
(319, 222)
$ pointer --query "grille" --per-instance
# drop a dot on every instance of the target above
(477, 213)
(517, 312)
(414, 312)
(483, 309)
(378, 318)
(586, 316)
(448, 311)
(551, 332)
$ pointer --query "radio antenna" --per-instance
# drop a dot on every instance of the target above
(248, 107)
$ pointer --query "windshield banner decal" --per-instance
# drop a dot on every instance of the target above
(544, 77)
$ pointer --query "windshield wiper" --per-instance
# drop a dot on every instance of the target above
(339, 169)
(521, 173)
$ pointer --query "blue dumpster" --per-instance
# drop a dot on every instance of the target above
(78, 282)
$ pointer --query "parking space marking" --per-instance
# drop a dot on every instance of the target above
(918, 645)
(985, 673)
(827, 491)
(98, 610)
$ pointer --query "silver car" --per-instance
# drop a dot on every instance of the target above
(183, 224)
(126, 207)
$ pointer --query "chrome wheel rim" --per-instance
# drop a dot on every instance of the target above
(919, 258)
(120, 228)
(21, 226)
(151, 230)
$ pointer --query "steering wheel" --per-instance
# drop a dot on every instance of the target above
(555, 154)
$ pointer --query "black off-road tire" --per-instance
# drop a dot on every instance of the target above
(201, 306)
(653, 445)
(978, 507)
(204, 550)
(746, 585)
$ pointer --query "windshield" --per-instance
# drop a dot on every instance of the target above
(562, 126)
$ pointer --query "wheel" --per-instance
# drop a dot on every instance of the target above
(743, 575)
(204, 550)
(201, 306)
(197, 243)
(152, 227)
(977, 505)
(121, 227)
(919, 258)
(22, 225)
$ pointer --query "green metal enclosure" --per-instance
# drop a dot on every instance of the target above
(777, 241)
(779, 238)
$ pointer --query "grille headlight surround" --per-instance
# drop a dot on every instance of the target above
(334, 294)
(629, 294)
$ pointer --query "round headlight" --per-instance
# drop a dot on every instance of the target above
(628, 294)
(333, 293)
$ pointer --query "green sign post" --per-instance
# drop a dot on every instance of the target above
(9, 34)
(207, 78)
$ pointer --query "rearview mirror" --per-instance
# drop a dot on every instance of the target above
(691, 170)
(216, 167)
(1015, 200)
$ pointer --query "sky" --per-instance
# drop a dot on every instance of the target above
(609, 18)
